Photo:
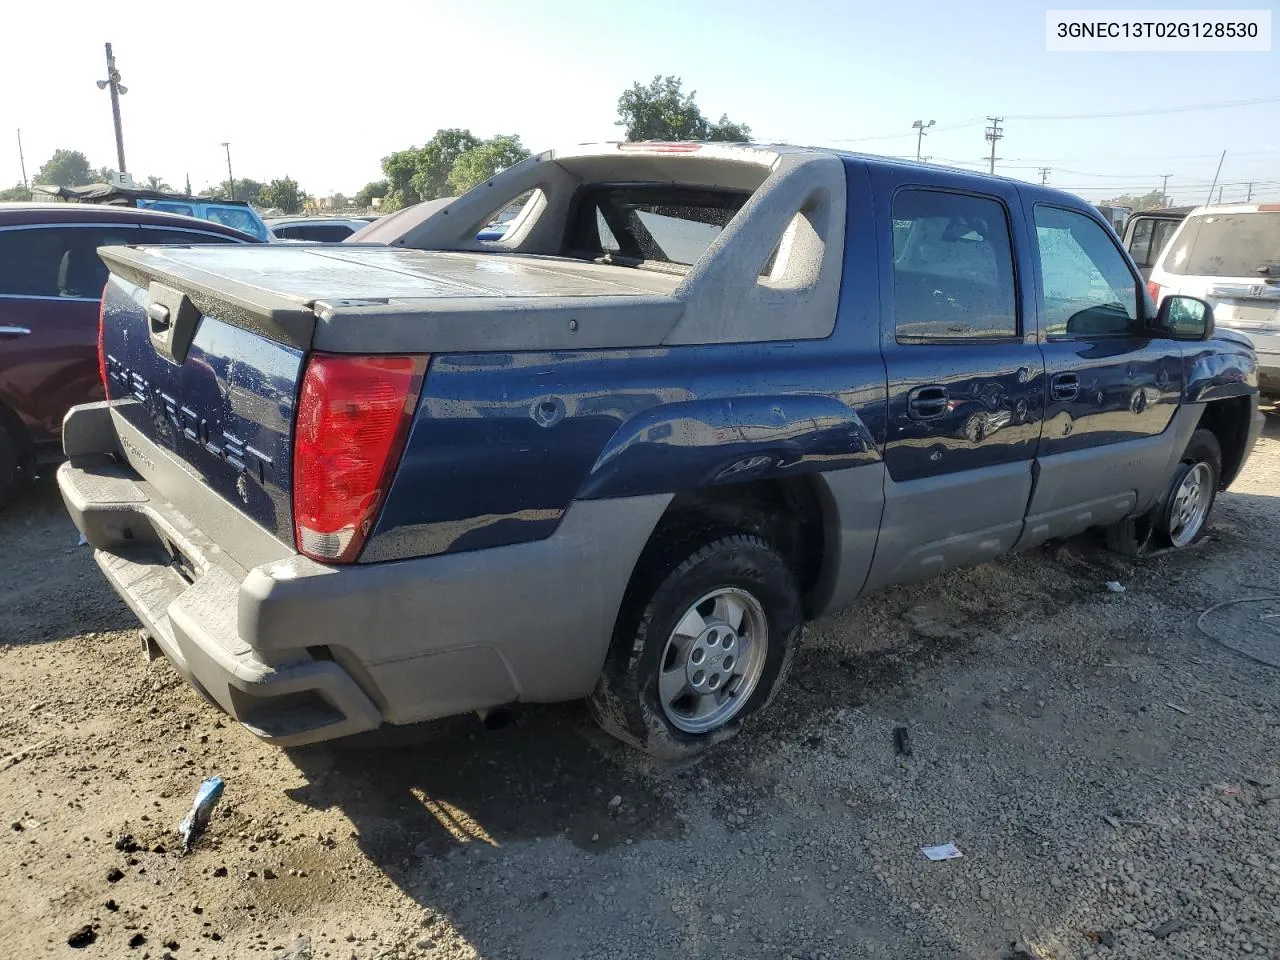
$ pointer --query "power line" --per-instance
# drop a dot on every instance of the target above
(1154, 111)
(1044, 175)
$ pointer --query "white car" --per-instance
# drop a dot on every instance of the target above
(1230, 256)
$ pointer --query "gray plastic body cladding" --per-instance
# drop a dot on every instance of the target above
(949, 520)
(1103, 484)
(852, 504)
(442, 635)
(288, 698)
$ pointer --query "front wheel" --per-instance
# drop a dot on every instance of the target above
(699, 649)
(1183, 517)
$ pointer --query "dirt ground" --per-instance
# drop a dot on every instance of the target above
(1103, 765)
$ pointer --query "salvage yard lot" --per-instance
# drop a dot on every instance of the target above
(1101, 763)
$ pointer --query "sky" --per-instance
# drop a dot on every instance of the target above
(321, 91)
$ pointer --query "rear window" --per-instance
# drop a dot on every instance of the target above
(1226, 245)
(654, 223)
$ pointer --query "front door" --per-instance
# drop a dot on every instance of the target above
(965, 378)
(1114, 383)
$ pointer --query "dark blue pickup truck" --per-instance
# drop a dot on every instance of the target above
(693, 396)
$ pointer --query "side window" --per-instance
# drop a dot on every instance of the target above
(1140, 243)
(159, 235)
(59, 261)
(953, 273)
(1088, 290)
(1160, 237)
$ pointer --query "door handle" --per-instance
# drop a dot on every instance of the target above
(1064, 386)
(15, 331)
(927, 403)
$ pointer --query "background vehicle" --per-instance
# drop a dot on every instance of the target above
(230, 213)
(1147, 232)
(315, 229)
(1116, 216)
(51, 281)
(694, 395)
(1230, 256)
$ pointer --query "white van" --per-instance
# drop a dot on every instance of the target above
(1230, 256)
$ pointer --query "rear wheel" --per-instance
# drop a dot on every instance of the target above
(699, 647)
(11, 472)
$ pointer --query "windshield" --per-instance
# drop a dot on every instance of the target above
(1227, 245)
(238, 219)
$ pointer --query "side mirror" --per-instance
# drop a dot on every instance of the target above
(1186, 318)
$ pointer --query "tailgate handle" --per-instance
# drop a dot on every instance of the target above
(158, 315)
(171, 321)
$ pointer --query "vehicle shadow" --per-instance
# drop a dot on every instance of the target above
(50, 588)
(434, 787)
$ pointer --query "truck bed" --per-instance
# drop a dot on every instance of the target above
(347, 298)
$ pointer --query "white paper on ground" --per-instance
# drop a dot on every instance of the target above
(944, 851)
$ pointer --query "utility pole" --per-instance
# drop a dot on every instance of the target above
(23, 160)
(117, 88)
(993, 134)
(1164, 188)
(1217, 173)
(1044, 175)
(1250, 194)
(231, 180)
(1220, 189)
(920, 127)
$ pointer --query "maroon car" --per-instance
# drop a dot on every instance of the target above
(51, 280)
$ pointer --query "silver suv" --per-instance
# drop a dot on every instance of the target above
(1230, 256)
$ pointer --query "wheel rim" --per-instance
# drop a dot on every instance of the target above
(713, 660)
(1190, 504)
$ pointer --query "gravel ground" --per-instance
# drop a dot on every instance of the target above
(1105, 768)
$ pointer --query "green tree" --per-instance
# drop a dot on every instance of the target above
(246, 190)
(661, 110)
(366, 194)
(102, 175)
(157, 183)
(484, 161)
(422, 173)
(1151, 200)
(66, 168)
(284, 195)
(16, 192)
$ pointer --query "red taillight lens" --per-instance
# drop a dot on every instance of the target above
(353, 416)
(102, 349)
(1153, 288)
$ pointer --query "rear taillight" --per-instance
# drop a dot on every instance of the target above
(353, 416)
(102, 348)
(1153, 288)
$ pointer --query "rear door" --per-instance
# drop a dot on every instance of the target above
(1114, 384)
(51, 282)
(965, 377)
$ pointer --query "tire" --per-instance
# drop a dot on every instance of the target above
(11, 472)
(1178, 523)
(1158, 527)
(677, 622)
